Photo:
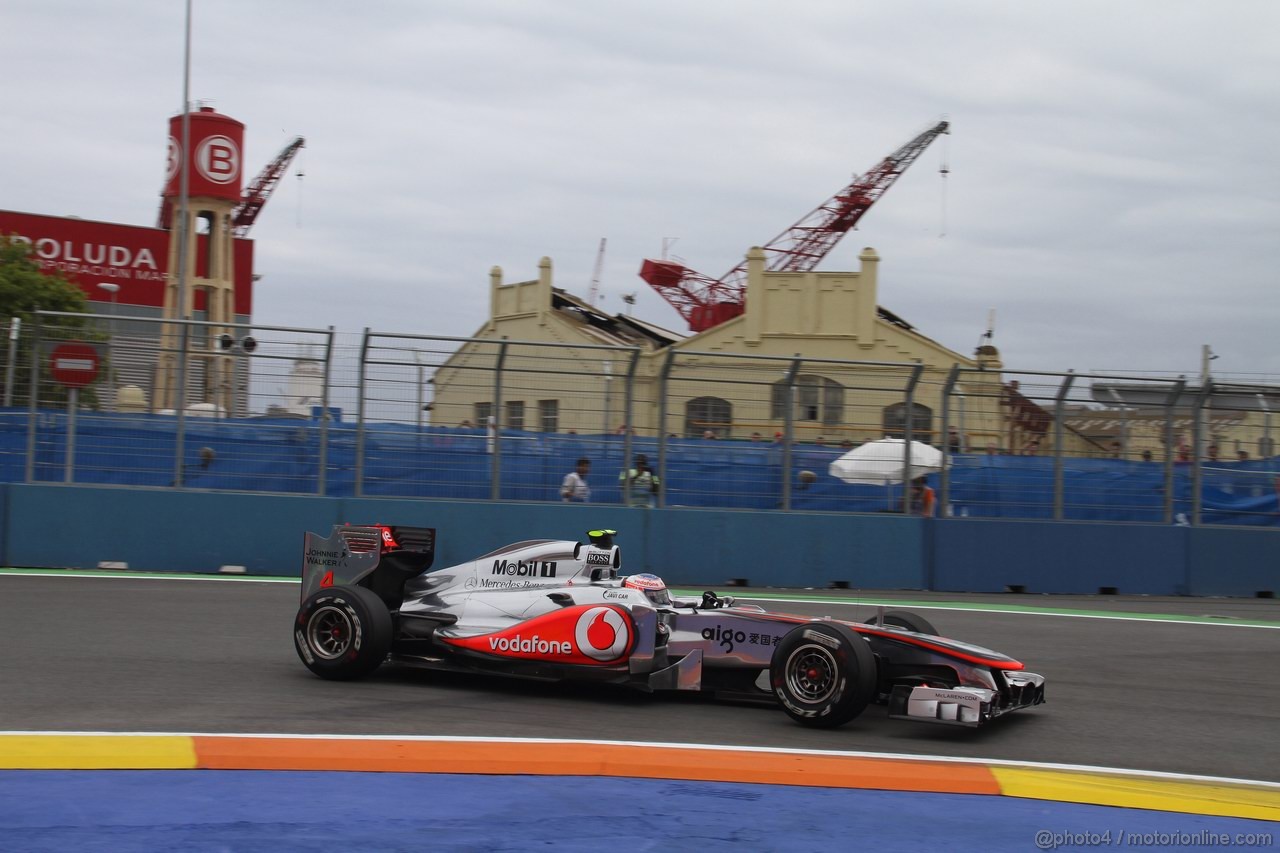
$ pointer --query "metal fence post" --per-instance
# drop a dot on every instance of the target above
(323, 451)
(33, 411)
(627, 413)
(360, 395)
(1197, 470)
(11, 369)
(179, 441)
(663, 383)
(1169, 449)
(1059, 406)
(495, 484)
(788, 426)
(944, 479)
(908, 435)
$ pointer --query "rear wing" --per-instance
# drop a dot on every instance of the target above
(351, 552)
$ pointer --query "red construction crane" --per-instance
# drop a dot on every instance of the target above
(705, 302)
(254, 196)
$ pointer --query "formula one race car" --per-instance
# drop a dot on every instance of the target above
(555, 610)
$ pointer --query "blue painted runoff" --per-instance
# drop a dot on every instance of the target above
(148, 810)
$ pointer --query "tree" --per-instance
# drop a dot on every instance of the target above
(24, 290)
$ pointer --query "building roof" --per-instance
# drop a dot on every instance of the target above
(614, 329)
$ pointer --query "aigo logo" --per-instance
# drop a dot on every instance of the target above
(602, 634)
(218, 159)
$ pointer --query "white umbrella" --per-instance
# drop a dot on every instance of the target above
(879, 463)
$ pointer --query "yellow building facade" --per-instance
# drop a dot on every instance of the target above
(817, 339)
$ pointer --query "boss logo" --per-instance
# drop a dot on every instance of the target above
(599, 558)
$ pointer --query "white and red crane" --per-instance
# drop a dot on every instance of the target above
(705, 302)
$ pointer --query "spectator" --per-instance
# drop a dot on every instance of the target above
(640, 484)
(1211, 453)
(574, 489)
(991, 448)
(847, 444)
(709, 434)
(1031, 448)
(466, 424)
(755, 436)
(820, 441)
(954, 443)
(1242, 456)
(1184, 450)
(1146, 456)
(1116, 450)
(923, 498)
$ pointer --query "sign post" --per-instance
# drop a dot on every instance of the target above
(73, 364)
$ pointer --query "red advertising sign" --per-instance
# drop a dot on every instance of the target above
(74, 364)
(137, 259)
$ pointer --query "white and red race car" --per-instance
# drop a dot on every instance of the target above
(553, 610)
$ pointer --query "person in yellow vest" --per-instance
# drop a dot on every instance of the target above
(639, 484)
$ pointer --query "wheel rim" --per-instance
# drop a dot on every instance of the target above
(329, 632)
(812, 673)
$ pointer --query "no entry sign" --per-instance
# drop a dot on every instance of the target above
(74, 363)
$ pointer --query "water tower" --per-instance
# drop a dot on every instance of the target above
(214, 176)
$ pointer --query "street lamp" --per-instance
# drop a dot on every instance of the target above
(114, 289)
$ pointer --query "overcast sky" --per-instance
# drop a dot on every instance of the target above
(1114, 190)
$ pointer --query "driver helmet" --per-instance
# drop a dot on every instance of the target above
(652, 587)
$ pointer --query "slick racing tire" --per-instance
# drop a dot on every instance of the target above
(906, 619)
(342, 632)
(823, 674)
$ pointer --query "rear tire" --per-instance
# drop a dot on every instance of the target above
(905, 619)
(342, 632)
(823, 674)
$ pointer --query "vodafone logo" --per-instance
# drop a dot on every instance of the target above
(602, 634)
(174, 159)
(218, 159)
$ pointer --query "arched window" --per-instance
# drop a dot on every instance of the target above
(708, 413)
(817, 398)
(895, 422)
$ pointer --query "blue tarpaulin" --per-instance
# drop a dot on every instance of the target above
(284, 455)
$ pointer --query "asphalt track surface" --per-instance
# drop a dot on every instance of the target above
(117, 655)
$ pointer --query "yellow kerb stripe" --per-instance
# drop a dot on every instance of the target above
(96, 752)
(1138, 792)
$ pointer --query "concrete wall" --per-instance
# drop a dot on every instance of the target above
(187, 531)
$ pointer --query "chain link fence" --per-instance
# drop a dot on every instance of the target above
(98, 399)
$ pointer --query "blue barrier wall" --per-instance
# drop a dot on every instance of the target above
(1232, 562)
(191, 531)
(978, 555)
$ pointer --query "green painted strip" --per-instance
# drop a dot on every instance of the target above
(993, 607)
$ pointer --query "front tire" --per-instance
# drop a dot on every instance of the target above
(906, 619)
(342, 632)
(823, 674)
